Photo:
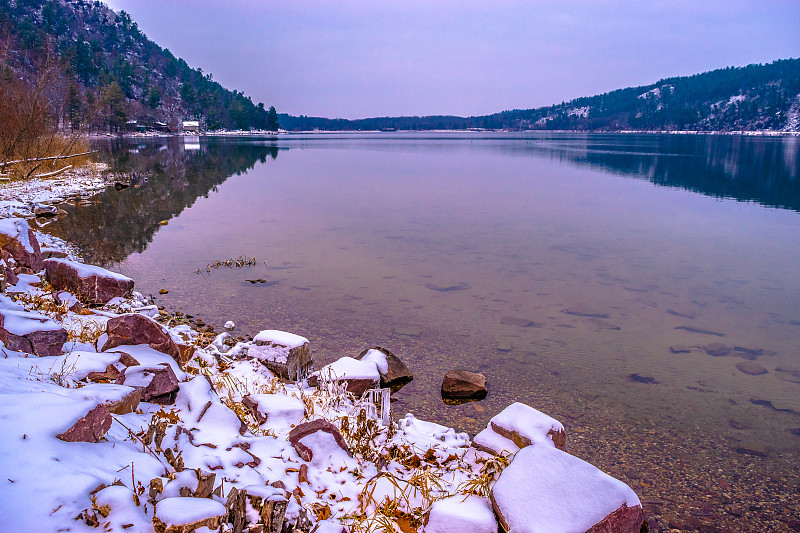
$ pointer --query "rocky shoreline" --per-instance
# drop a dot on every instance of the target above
(133, 420)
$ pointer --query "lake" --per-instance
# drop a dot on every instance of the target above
(643, 289)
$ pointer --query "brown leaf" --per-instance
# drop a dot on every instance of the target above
(404, 523)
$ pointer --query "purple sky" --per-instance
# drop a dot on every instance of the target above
(354, 58)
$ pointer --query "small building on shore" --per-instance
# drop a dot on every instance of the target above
(191, 126)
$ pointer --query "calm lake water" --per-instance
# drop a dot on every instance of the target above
(567, 268)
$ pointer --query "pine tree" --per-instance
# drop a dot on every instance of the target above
(272, 119)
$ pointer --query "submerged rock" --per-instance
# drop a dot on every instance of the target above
(90, 284)
(751, 368)
(519, 322)
(461, 384)
(717, 349)
(580, 310)
(460, 286)
(680, 349)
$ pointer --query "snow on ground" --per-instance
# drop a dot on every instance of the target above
(209, 429)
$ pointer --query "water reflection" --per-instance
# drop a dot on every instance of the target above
(166, 176)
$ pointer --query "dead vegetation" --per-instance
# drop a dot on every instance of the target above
(235, 262)
(32, 142)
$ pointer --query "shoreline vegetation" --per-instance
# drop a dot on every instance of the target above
(156, 425)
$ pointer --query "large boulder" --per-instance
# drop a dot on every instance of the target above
(31, 333)
(463, 385)
(90, 428)
(285, 354)
(17, 238)
(134, 329)
(90, 284)
(358, 376)
(394, 373)
(158, 383)
(546, 489)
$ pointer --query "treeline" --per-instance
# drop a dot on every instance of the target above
(113, 74)
(755, 97)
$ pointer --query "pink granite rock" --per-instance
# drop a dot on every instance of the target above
(90, 284)
(90, 428)
(31, 333)
(303, 430)
(18, 239)
(138, 329)
(157, 383)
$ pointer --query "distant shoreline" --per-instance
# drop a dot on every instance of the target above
(283, 133)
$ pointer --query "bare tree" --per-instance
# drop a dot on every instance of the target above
(32, 98)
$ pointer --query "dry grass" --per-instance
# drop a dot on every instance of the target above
(61, 151)
(235, 262)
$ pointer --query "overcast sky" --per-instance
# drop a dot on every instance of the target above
(355, 59)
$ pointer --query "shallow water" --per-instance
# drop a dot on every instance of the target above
(567, 268)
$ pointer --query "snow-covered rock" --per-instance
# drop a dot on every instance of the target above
(277, 412)
(157, 383)
(119, 399)
(545, 490)
(285, 354)
(133, 329)
(89, 428)
(183, 515)
(394, 373)
(464, 515)
(525, 425)
(491, 442)
(90, 284)
(31, 332)
(422, 433)
(309, 444)
(18, 240)
(358, 376)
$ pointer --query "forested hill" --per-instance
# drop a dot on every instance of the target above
(751, 98)
(105, 59)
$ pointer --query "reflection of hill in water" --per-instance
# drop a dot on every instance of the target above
(172, 173)
(167, 177)
(748, 169)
